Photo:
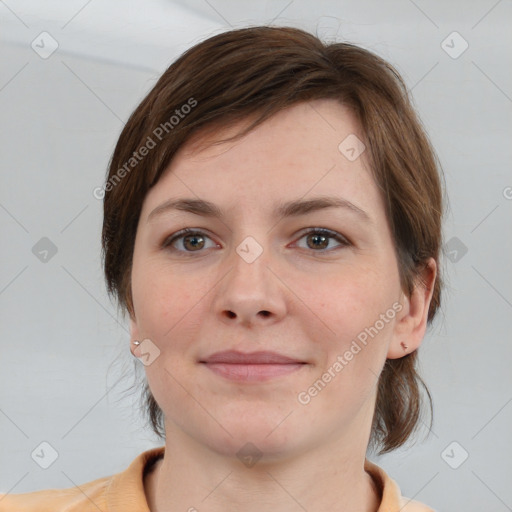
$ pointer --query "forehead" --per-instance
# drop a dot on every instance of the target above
(300, 151)
(325, 119)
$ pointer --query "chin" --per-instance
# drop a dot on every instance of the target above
(244, 445)
(264, 436)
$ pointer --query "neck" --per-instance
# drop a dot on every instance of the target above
(192, 480)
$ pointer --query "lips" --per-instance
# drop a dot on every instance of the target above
(251, 367)
(234, 357)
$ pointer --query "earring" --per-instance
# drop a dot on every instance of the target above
(132, 350)
(404, 346)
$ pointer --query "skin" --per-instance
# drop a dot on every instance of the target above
(296, 298)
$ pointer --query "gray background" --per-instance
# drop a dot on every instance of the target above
(65, 367)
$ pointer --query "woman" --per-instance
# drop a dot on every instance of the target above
(272, 225)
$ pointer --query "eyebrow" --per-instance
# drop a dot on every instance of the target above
(289, 209)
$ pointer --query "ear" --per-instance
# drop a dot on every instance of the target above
(134, 336)
(411, 322)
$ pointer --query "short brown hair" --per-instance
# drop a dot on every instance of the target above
(251, 74)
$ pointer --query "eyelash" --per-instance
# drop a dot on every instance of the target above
(167, 244)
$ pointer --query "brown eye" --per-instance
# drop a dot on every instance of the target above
(316, 241)
(187, 241)
(193, 242)
(319, 240)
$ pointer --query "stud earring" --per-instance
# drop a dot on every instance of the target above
(136, 344)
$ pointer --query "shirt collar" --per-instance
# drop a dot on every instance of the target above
(126, 490)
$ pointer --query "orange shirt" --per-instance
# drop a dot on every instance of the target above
(124, 492)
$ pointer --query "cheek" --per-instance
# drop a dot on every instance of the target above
(352, 328)
(351, 355)
(165, 300)
(349, 301)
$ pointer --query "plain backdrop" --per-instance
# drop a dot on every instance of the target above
(65, 366)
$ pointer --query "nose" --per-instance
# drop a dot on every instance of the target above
(251, 292)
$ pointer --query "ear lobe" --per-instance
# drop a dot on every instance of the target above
(134, 334)
(411, 324)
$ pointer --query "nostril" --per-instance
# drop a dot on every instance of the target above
(265, 313)
(231, 314)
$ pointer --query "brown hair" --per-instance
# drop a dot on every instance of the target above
(251, 74)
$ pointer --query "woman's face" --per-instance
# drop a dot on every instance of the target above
(249, 279)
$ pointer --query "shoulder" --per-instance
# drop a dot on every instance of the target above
(122, 492)
(391, 496)
(413, 506)
(87, 497)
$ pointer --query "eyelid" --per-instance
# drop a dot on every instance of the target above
(343, 240)
(182, 233)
